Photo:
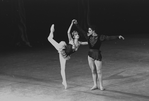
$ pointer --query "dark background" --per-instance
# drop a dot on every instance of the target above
(112, 17)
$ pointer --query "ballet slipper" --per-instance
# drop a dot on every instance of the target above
(94, 87)
(101, 88)
(64, 84)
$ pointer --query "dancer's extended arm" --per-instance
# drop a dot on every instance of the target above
(69, 30)
(50, 38)
(84, 43)
(104, 37)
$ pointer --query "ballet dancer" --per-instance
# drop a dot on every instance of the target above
(65, 50)
(94, 53)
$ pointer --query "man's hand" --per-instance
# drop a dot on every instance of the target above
(121, 37)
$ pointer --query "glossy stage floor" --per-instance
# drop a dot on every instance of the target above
(34, 74)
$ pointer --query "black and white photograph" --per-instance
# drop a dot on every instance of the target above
(74, 50)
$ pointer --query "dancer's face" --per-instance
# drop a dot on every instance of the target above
(91, 32)
(75, 35)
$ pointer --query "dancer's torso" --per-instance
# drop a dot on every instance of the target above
(69, 50)
(94, 43)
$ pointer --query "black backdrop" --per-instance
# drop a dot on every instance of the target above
(126, 17)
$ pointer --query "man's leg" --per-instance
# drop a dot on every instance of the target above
(94, 73)
(99, 73)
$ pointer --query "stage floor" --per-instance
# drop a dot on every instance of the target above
(34, 74)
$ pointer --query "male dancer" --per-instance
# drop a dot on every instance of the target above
(94, 53)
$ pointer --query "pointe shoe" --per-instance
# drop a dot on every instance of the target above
(94, 88)
(64, 84)
(102, 89)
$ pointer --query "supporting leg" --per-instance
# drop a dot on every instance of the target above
(94, 73)
(99, 73)
(63, 74)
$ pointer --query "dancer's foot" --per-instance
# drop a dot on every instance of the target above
(52, 28)
(94, 87)
(64, 84)
(101, 88)
(51, 31)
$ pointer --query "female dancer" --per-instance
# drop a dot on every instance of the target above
(65, 50)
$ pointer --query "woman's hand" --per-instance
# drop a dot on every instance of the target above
(74, 21)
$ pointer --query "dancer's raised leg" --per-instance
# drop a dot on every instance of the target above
(50, 38)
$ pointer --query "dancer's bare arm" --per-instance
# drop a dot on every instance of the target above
(69, 29)
(50, 38)
(83, 43)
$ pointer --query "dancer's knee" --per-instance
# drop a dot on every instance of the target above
(99, 72)
(62, 43)
(94, 71)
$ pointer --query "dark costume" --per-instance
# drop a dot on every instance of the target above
(94, 43)
(67, 51)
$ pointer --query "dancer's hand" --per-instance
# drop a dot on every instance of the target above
(74, 21)
(121, 37)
